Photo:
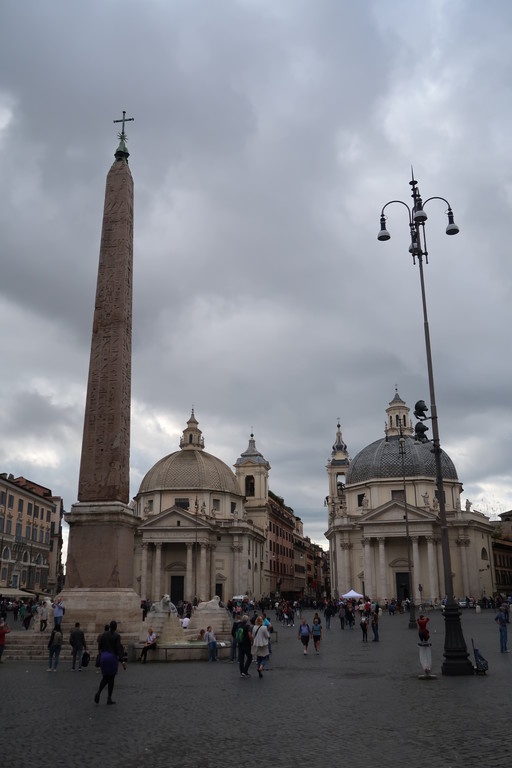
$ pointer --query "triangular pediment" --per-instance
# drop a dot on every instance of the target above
(175, 517)
(394, 511)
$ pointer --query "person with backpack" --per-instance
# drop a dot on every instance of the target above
(54, 648)
(244, 639)
(234, 641)
(304, 634)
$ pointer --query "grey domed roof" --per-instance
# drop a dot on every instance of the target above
(382, 459)
(190, 470)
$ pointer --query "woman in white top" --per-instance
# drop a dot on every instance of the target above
(260, 638)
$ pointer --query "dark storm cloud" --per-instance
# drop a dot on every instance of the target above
(267, 138)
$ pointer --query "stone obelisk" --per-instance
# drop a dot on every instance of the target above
(99, 569)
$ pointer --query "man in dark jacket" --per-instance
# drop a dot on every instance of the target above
(78, 644)
(112, 653)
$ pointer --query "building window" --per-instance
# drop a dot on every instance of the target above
(20, 506)
(47, 537)
(41, 536)
(6, 554)
(18, 531)
(36, 511)
(398, 495)
(2, 523)
(216, 504)
(249, 485)
(8, 527)
(29, 509)
(182, 503)
(48, 515)
(4, 574)
(34, 533)
(28, 531)
(233, 507)
(10, 502)
(360, 498)
(178, 523)
(2, 498)
(24, 577)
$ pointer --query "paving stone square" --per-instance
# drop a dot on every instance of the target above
(356, 704)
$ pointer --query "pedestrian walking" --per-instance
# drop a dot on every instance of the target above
(304, 634)
(341, 616)
(244, 635)
(501, 621)
(316, 634)
(375, 626)
(54, 648)
(4, 630)
(260, 644)
(112, 653)
(43, 617)
(364, 627)
(237, 623)
(78, 645)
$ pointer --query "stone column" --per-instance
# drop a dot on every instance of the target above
(189, 576)
(202, 581)
(432, 569)
(212, 548)
(346, 548)
(416, 570)
(236, 566)
(158, 572)
(144, 571)
(383, 569)
(367, 566)
(462, 545)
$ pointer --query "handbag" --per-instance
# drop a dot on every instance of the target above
(86, 657)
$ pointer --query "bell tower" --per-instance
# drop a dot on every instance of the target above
(252, 470)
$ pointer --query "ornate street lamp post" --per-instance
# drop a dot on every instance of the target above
(455, 651)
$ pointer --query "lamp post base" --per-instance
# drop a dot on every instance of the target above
(456, 656)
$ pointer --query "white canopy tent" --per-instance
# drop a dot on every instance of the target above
(352, 594)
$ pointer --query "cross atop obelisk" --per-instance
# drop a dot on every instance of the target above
(122, 135)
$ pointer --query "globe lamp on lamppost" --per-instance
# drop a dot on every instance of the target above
(456, 657)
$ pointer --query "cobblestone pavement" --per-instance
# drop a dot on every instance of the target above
(354, 703)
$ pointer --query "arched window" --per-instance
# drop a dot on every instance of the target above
(6, 555)
(249, 485)
(25, 557)
(484, 554)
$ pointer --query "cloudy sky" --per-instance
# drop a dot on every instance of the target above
(268, 135)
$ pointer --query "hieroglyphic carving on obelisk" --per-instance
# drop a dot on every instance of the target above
(105, 462)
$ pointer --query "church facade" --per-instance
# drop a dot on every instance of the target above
(206, 530)
(384, 530)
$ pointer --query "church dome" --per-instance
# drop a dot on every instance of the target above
(190, 468)
(382, 459)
